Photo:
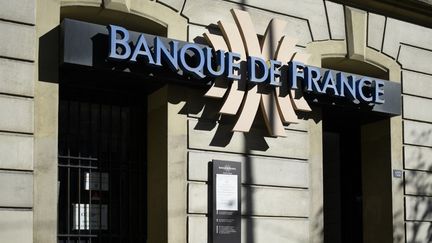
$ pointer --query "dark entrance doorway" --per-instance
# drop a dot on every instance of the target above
(357, 177)
(102, 158)
(342, 178)
(357, 167)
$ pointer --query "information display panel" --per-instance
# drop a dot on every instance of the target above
(226, 217)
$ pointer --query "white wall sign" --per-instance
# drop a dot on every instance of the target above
(86, 217)
(226, 192)
(96, 181)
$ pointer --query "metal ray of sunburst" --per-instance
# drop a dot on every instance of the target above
(269, 106)
(253, 98)
(220, 86)
(290, 100)
(284, 53)
(296, 95)
(238, 87)
(252, 48)
(277, 106)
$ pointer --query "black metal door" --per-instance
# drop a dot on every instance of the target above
(102, 166)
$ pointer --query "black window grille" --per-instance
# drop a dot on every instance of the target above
(102, 178)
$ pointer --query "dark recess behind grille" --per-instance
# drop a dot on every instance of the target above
(102, 128)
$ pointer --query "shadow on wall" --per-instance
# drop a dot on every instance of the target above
(208, 119)
(418, 188)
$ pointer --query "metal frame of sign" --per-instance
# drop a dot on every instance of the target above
(226, 202)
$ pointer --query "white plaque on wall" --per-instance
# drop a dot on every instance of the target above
(96, 181)
(226, 192)
(86, 217)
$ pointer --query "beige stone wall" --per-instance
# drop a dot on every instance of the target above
(281, 186)
(411, 46)
(377, 39)
(17, 70)
(417, 149)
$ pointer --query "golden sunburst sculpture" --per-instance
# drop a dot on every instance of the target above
(278, 104)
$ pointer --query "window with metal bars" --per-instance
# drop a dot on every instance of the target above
(102, 178)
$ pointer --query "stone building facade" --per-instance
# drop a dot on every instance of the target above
(284, 178)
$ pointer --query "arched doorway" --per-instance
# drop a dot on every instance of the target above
(104, 187)
(356, 167)
(360, 184)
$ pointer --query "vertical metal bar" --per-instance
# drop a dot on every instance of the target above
(123, 178)
(99, 129)
(143, 159)
(68, 175)
(135, 151)
(121, 160)
(78, 134)
(90, 161)
(138, 164)
(68, 197)
(110, 170)
(99, 140)
(127, 159)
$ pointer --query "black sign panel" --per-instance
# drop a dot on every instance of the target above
(226, 217)
(87, 45)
